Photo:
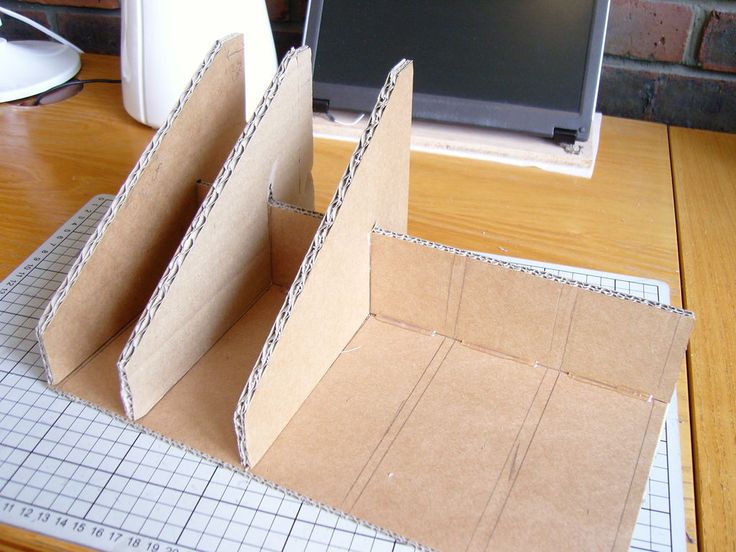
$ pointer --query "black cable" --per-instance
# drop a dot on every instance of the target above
(42, 95)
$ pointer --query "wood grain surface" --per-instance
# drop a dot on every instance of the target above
(54, 158)
(13, 538)
(704, 171)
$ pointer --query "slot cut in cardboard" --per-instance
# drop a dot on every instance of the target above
(458, 402)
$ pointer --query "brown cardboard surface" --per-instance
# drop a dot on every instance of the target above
(334, 297)
(198, 410)
(371, 393)
(448, 456)
(576, 476)
(291, 233)
(649, 362)
(227, 265)
(502, 433)
(529, 318)
(136, 246)
(97, 379)
(400, 281)
(514, 313)
(461, 449)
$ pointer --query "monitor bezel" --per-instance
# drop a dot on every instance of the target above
(493, 114)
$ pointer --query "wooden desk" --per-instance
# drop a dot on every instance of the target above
(54, 158)
(704, 170)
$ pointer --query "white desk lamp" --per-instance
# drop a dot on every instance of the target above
(29, 67)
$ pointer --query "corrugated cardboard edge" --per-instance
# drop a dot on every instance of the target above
(309, 260)
(273, 202)
(194, 229)
(534, 272)
(88, 250)
(243, 471)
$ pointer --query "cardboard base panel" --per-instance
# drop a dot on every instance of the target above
(452, 446)
(198, 410)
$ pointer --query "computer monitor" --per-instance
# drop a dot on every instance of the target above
(527, 65)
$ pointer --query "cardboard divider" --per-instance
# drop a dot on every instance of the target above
(181, 368)
(144, 226)
(332, 291)
(198, 408)
(291, 232)
(224, 263)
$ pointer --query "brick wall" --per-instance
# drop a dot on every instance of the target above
(670, 61)
(673, 62)
(94, 25)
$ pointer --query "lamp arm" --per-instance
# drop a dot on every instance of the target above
(40, 27)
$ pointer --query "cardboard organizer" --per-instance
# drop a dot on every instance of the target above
(462, 403)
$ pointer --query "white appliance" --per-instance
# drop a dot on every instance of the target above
(164, 41)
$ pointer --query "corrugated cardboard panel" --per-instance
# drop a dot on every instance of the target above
(198, 410)
(411, 284)
(227, 265)
(325, 448)
(626, 345)
(577, 475)
(512, 313)
(291, 233)
(460, 449)
(334, 298)
(442, 467)
(136, 246)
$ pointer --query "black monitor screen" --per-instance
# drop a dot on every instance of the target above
(525, 52)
